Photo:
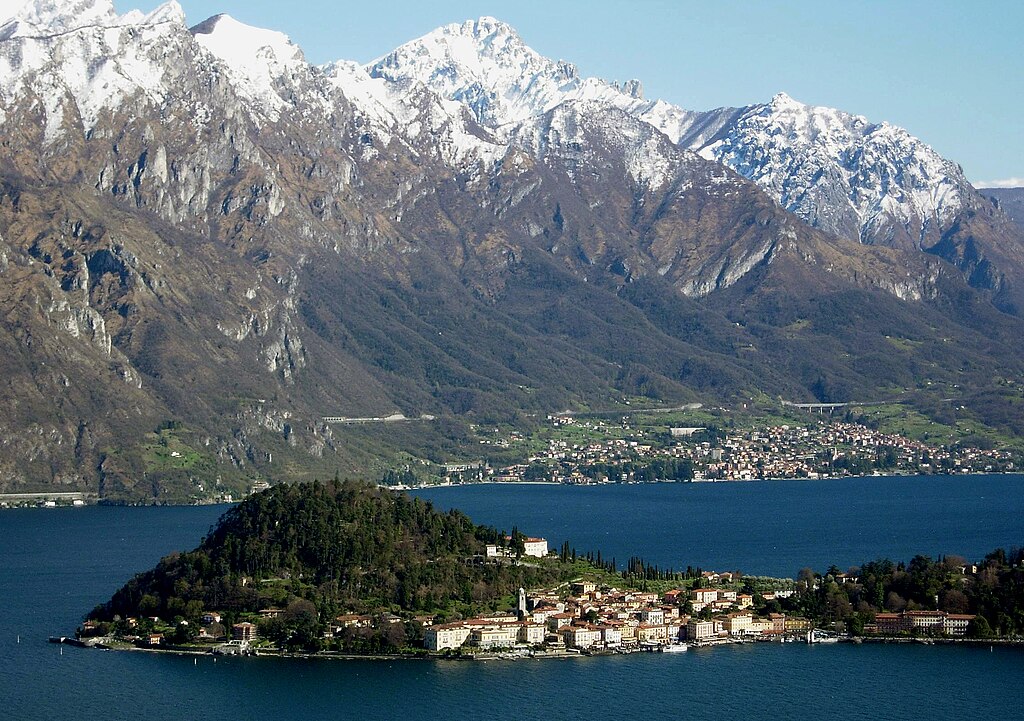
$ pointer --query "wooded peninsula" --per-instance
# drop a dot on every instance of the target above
(351, 568)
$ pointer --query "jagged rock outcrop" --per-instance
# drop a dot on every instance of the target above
(1009, 200)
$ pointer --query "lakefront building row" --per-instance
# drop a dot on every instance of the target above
(592, 620)
(920, 622)
(612, 619)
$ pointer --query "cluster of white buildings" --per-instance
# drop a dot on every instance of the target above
(797, 452)
(483, 633)
(536, 547)
(776, 452)
(591, 619)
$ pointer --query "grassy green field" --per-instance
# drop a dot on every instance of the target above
(167, 451)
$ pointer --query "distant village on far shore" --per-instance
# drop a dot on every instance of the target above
(813, 451)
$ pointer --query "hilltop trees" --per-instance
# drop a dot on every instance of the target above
(995, 592)
(317, 549)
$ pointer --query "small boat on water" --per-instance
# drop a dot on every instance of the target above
(674, 648)
(813, 637)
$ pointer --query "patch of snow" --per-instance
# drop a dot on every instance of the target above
(84, 52)
(258, 61)
(835, 170)
(374, 98)
(61, 16)
(838, 171)
(411, 111)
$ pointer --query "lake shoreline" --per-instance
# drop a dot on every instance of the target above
(541, 655)
(464, 484)
(334, 656)
(701, 481)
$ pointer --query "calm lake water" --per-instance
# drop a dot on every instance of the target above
(761, 528)
(56, 564)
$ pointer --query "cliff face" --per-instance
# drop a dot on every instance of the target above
(870, 182)
(1009, 200)
(207, 245)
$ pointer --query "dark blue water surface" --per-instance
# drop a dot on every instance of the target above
(57, 564)
(764, 527)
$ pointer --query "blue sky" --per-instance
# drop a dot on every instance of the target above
(950, 72)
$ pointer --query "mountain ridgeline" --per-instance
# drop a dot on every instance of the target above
(208, 245)
(1009, 200)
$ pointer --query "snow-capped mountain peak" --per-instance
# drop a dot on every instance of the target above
(479, 50)
(836, 170)
(82, 52)
(169, 12)
(57, 16)
(486, 66)
(782, 99)
(841, 173)
(257, 60)
(236, 43)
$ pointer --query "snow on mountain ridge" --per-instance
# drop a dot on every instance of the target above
(53, 49)
(592, 134)
(53, 17)
(837, 171)
(406, 114)
(257, 59)
(374, 97)
(83, 50)
(486, 66)
(56, 16)
(875, 182)
(168, 12)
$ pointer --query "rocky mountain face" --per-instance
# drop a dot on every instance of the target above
(1009, 200)
(840, 173)
(207, 245)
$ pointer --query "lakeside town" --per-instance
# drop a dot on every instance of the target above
(585, 616)
(653, 447)
(618, 453)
